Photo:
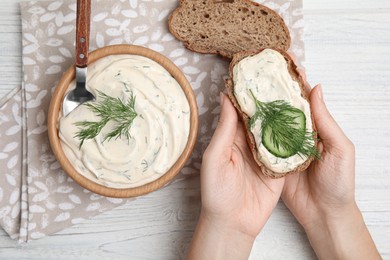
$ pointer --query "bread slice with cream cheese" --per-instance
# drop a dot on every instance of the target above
(261, 156)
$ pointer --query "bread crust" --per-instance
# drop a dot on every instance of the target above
(296, 76)
(283, 37)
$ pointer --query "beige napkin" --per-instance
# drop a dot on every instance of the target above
(36, 197)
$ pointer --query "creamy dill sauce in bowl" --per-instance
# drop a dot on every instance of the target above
(266, 75)
(158, 134)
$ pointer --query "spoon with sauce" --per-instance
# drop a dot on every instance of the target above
(80, 94)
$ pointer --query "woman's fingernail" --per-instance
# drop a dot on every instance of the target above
(222, 98)
(319, 92)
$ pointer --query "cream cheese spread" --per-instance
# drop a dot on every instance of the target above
(267, 75)
(159, 133)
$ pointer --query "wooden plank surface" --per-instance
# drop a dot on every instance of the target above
(347, 50)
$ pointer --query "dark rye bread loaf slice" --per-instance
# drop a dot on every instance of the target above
(296, 76)
(227, 27)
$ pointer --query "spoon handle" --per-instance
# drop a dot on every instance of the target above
(82, 32)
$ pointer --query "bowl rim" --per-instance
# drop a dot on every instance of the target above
(56, 102)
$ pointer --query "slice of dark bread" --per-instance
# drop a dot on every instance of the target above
(292, 68)
(227, 27)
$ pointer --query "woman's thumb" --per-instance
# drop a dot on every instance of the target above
(225, 133)
(328, 130)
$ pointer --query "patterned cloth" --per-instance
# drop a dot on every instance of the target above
(36, 197)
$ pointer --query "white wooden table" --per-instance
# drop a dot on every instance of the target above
(347, 50)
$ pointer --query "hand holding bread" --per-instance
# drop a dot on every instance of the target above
(236, 200)
(249, 164)
(322, 198)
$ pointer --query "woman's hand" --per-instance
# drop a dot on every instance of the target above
(237, 199)
(323, 198)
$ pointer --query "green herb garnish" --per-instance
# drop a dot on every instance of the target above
(283, 129)
(108, 109)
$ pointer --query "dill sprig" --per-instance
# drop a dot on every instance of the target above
(280, 119)
(108, 109)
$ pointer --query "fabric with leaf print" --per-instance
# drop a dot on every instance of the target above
(36, 197)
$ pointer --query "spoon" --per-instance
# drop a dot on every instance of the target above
(80, 94)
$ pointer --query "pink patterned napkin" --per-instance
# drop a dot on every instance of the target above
(36, 197)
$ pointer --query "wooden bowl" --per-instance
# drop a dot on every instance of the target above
(56, 103)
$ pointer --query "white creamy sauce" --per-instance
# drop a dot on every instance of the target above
(159, 133)
(266, 74)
